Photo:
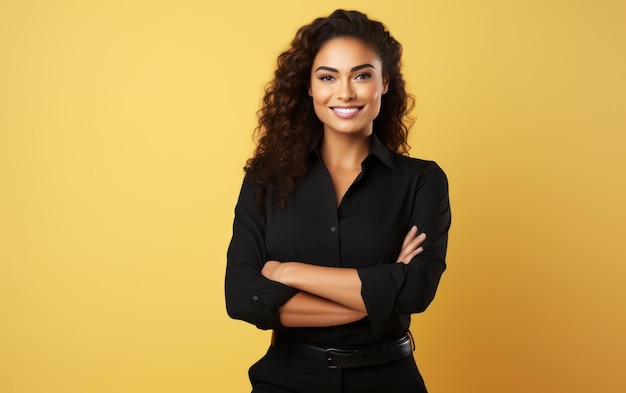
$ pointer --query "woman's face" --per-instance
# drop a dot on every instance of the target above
(347, 85)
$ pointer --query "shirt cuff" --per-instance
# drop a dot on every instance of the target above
(380, 286)
(267, 301)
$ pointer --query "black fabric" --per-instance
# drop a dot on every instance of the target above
(281, 372)
(391, 194)
(346, 357)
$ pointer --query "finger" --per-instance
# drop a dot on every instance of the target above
(411, 245)
(416, 242)
(410, 236)
(409, 257)
(406, 253)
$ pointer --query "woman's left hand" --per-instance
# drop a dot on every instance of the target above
(411, 246)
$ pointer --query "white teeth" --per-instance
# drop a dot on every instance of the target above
(346, 110)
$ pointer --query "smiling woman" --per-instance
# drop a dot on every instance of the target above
(326, 249)
(346, 86)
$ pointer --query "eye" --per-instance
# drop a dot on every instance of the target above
(362, 76)
(326, 78)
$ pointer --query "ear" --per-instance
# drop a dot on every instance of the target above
(385, 85)
(310, 94)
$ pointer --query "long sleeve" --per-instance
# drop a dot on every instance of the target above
(250, 296)
(409, 288)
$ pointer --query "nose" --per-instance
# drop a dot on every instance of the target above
(346, 90)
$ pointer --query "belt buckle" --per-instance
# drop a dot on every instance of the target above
(338, 351)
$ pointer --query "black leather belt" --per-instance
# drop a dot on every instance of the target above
(346, 357)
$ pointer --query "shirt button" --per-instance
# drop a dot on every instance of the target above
(333, 229)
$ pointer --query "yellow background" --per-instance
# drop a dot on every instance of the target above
(124, 126)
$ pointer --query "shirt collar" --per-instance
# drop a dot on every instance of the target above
(381, 152)
(377, 149)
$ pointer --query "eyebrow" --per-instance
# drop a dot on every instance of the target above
(353, 69)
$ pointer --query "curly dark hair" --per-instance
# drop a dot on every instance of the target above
(287, 124)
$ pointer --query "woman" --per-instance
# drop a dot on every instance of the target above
(326, 249)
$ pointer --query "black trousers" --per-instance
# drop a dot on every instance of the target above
(279, 372)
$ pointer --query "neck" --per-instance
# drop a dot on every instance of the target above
(345, 151)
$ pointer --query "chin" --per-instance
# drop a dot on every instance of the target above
(350, 131)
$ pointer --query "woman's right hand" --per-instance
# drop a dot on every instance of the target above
(411, 246)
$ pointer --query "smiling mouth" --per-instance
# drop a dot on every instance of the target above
(346, 111)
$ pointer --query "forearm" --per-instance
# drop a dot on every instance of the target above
(307, 310)
(339, 285)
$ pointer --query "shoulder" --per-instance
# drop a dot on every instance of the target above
(252, 194)
(417, 166)
(427, 179)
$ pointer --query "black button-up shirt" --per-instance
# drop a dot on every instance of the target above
(391, 194)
